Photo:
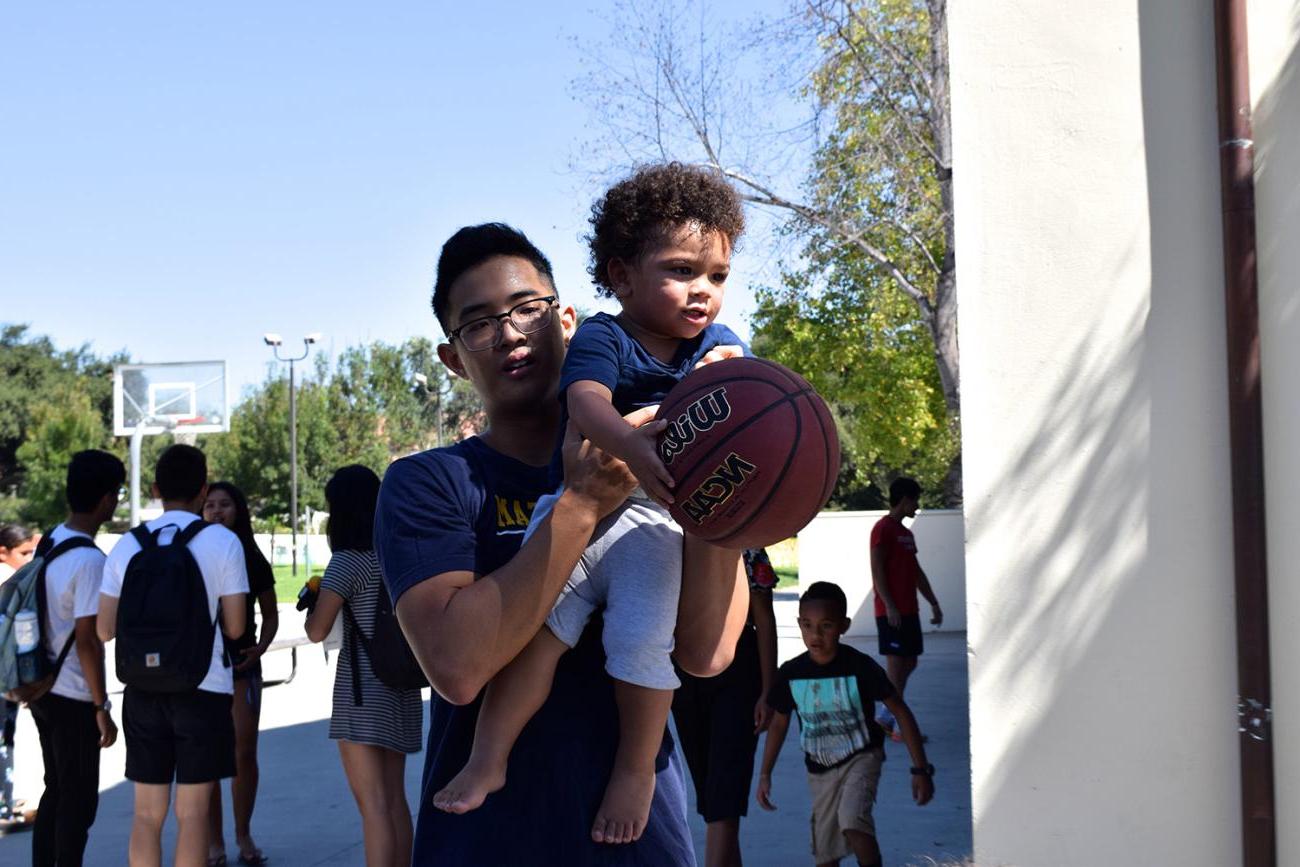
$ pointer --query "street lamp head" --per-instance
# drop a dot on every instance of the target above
(272, 339)
(314, 337)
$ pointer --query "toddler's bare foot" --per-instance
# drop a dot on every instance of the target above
(468, 789)
(625, 809)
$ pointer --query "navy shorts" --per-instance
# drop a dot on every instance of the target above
(905, 640)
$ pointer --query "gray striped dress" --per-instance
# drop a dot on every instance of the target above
(387, 717)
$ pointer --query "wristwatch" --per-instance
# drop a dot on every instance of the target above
(106, 706)
(927, 771)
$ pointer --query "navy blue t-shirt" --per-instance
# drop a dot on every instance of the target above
(466, 507)
(602, 351)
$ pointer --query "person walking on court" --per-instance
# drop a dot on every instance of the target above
(73, 719)
(833, 688)
(720, 718)
(227, 505)
(376, 725)
(897, 576)
(17, 544)
(167, 585)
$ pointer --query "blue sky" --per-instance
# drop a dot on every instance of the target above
(177, 179)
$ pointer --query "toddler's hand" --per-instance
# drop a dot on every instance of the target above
(721, 353)
(640, 449)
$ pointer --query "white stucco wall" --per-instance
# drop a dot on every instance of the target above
(1097, 492)
(834, 548)
(1275, 82)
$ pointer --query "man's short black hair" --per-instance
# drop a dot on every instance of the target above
(825, 591)
(474, 245)
(903, 487)
(181, 473)
(91, 475)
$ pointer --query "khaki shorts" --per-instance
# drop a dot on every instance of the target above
(842, 799)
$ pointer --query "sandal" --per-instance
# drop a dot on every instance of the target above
(217, 860)
(254, 859)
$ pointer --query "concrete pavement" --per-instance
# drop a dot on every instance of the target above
(306, 817)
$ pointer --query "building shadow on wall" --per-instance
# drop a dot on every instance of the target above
(1097, 579)
(1277, 181)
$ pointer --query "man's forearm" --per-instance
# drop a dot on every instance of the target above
(90, 653)
(463, 635)
(879, 584)
(711, 610)
(923, 585)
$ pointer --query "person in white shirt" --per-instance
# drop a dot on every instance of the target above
(185, 737)
(17, 544)
(73, 718)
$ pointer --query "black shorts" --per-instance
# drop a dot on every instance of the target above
(903, 641)
(715, 725)
(188, 737)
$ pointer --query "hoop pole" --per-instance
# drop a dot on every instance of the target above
(293, 465)
(137, 436)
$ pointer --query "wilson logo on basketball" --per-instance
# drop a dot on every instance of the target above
(700, 416)
(718, 487)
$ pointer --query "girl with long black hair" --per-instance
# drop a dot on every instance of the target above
(227, 505)
(376, 725)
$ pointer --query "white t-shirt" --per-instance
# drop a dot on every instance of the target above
(221, 560)
(71, 591)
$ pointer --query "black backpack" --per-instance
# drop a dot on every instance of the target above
(164, 634)
(391, 658)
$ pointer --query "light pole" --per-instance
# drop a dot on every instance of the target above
(423, 381)
(275, 341)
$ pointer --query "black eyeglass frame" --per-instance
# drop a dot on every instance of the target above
(551, 301)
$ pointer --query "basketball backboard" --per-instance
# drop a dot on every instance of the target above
(184, 397)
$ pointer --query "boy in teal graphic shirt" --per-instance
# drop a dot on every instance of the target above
(834, 689)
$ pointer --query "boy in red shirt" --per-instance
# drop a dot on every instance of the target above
(897, 576)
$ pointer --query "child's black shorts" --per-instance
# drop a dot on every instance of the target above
(903, 641)
(188, 737)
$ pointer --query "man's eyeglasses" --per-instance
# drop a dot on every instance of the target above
(527, 317)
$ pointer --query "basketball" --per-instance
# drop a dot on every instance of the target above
(752, 449)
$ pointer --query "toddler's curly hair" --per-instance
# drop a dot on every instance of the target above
(657, 199)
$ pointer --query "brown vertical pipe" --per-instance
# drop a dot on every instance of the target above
(1237, 166)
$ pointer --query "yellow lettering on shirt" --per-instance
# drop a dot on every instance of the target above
(513, 513)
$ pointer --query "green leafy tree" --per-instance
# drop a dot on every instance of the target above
(419, 404)
(64, 423)
(367, 409)
(32, 371)
(255, 453)
(863, 188)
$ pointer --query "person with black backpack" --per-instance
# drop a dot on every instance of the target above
(168, 584)
(377, 714)
(73, 718)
